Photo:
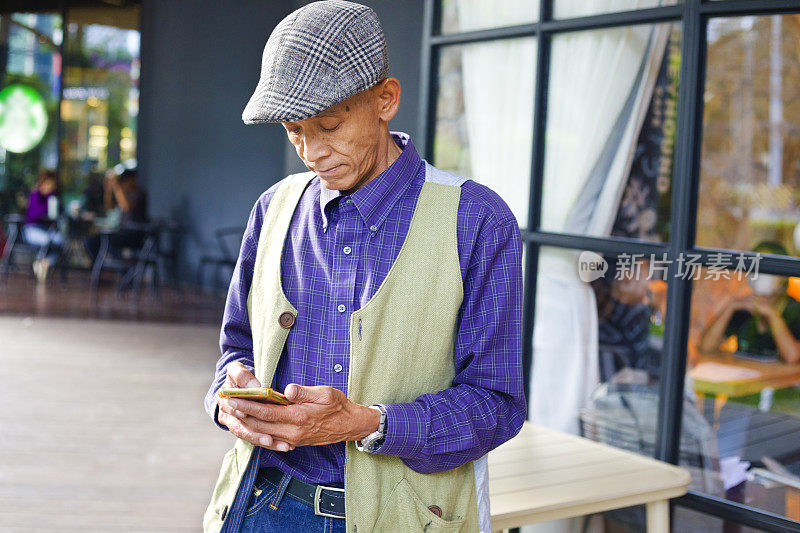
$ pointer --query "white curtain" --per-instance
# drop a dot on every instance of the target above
(591, 134)
(577, 8)
(601, 83)
(498, 81)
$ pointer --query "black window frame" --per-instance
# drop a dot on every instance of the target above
(693, 16)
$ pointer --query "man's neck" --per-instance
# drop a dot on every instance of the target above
(389, 154)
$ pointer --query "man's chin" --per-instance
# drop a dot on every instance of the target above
(336, 184)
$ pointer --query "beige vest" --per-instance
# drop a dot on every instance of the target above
(401, 346)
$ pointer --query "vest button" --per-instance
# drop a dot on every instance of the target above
(286, 320)
(435, 509)
(224, 512)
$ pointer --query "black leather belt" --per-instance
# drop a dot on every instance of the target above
(326, 501)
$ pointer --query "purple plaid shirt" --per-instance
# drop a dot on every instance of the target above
(338, 251)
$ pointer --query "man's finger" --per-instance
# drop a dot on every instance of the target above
(293, 435)
(226, 407)
(246, 432)
(241, 376)
(264, 411)
(300, 394)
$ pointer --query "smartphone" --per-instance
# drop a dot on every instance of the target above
(257, 394)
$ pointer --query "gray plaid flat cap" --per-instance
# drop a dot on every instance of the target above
(319, 55)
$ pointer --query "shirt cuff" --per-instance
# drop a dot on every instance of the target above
(406, 429)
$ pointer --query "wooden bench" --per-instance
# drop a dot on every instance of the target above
(542, 475)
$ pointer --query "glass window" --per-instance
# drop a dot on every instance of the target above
(485, 99)
(597, 345)
(610, 138)
(101, 93)
(563, 9)
(743, 387)
(750, 162)
(30, 80)
(470, 15)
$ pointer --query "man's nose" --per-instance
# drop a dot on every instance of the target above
(314, 149)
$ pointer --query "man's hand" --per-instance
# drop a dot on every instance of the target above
(319, 415)
(238, 422)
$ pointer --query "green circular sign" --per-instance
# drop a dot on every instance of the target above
(23, 118)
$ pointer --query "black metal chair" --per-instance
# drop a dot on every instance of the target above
(128, 251)
(167, 249)
(17, 246)
(227, 243)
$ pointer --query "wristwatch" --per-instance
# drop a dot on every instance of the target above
(372, 442)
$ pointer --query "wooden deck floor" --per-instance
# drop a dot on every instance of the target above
(102, 426)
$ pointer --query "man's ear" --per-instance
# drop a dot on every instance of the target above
(388, 94)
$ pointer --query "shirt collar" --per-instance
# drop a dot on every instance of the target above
(375, 199)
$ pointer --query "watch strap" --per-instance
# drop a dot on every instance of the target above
(372, 442)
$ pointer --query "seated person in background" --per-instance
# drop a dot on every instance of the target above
(123, 194)
(766, 323)
(94, 196)
(38, 228)
(624, 310)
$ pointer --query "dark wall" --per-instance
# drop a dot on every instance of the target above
(200, 164)
(200, 63)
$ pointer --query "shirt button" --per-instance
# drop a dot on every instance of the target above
(337, 367)
(342, 308)
(373, 228)
(347, 250)
(348, 201)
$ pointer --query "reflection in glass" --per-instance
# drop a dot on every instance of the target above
(484, 116)
(597, 331)
(563, 9)
(32, 61)
(749, 171)
(470, 15)
(743, 373)
(609, 140)
(101, 93)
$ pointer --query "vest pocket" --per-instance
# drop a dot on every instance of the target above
(404, 511)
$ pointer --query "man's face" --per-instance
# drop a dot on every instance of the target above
(342, 145)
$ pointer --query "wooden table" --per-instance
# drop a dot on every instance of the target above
(757, 375)
(716, 373)
(542, 475)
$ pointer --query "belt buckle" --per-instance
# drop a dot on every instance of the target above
(317, 494)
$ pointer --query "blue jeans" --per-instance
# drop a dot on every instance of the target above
(273, 511)
(42, 237)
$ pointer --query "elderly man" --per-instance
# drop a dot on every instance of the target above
(382, 295)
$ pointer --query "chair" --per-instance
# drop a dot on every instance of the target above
(625, 415)
(227, 242)
(15, 245)
(129, 261)
(167, 246)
